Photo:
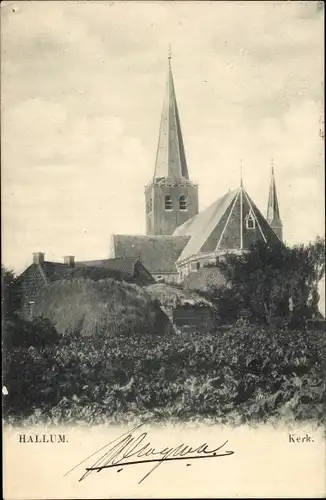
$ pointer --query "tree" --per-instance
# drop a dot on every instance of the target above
(267, 279)
(9, 292)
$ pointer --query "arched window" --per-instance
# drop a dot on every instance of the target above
(150, 204)
(183, 202)
(168, 203)
(250, 221)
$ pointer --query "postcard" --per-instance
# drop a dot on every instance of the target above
(163, 249)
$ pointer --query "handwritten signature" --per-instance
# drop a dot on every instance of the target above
(134, 445)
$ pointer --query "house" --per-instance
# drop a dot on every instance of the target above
(187, 310)
(42, 272)
(179, 239)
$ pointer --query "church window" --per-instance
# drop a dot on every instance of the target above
(168, 203)
(150, 205)
(183, 202)
(198, 265)
(250, 221)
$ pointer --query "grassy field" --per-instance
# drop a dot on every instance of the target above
(237, 375)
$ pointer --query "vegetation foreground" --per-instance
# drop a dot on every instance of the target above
(237, 375)
(100, 351)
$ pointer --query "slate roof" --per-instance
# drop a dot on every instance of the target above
(201, 226)
(170, 158)
(127, 268)
(55, 271)
(222, 226)
(157, 253)
(126, 265)
(37, 275)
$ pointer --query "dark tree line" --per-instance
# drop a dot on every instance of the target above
(271, 283)
(10, 293)
(16, 331)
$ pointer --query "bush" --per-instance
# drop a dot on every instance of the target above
(22, 343)
(226, 301)
(18, 332)
(239, 374)
(10, 292)
(272, 283)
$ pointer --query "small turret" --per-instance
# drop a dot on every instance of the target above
(273, 212)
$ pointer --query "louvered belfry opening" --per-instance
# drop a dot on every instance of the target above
(168, 203)
(183, 202)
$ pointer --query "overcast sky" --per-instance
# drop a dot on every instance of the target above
(82, 91)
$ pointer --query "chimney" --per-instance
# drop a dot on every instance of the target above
(38, 258)
(69, 260)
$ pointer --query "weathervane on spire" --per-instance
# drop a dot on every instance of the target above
(241, 165)
(169, 53)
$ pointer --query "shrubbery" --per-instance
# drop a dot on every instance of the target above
(17, 332)
(236, 375)
(271, 284)
(257, 371)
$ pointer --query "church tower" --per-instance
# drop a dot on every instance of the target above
(273, 212)
(171, 198)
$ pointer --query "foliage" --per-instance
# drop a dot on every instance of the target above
(225, 301)
(265, 281)
(238, 374)
(18, 332)
(9, 292)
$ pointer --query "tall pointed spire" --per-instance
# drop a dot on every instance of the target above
(170, 159)
(171, 198)
(273, 212)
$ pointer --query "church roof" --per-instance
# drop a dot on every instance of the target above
(157, 253)
(232, 222)
(171, 160)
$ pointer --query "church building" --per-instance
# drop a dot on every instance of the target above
(179, 239)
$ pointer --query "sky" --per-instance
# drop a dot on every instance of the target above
(82, 91)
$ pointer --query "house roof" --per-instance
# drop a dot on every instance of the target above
(157, 253)
(223, 226)
(53, 271)
(40, 274)
(126, 264)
